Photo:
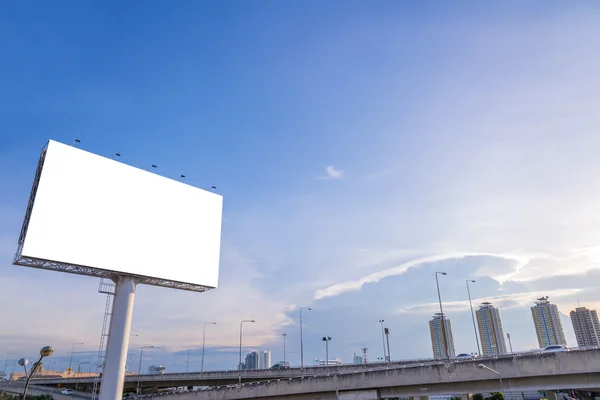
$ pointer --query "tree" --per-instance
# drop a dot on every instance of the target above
(477, 396)
(495, 396)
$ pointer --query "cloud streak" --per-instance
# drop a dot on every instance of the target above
(337, 289)
(513, 300)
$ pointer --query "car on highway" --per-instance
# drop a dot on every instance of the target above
(465, 356)
(67, 391)
(281, 365)
(555, 348)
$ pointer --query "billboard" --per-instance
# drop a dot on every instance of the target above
(92, 215)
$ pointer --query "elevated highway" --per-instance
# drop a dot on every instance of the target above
(574, 370)
(220, 378)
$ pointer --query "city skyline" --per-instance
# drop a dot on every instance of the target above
(359, 148)
(256, 359)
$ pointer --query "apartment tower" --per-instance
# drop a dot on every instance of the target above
(586, 327)
(548, 327)
(490, 330)
(438, 343)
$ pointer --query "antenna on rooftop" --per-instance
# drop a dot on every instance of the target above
(76, 142)
(115, 156)
(152, 166)
(182, 177)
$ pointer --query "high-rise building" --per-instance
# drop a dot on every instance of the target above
(251, 361)
(586, 327)
(265, 360)
(357, 359)
(548, 326)
(438, 343)
(490, 330)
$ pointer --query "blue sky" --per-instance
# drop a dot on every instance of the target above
(359, 148)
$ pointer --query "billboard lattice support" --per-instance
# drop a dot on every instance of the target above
(107, 287)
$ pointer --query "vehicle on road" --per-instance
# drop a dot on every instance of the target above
(465, 356)
(281, 365)
(67, 391)
(555, 348)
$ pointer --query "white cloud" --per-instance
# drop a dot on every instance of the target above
(331, 172)
(340, 288)
(509, 301)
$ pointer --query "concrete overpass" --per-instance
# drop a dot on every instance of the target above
(219, 378)
(575, 370)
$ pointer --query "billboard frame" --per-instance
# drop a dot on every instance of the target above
(53, 265)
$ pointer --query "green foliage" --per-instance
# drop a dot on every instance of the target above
(455, 398)
(495, 396)
(478, 396)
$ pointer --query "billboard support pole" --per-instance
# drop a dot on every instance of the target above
(113, 374)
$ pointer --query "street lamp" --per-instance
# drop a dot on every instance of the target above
(482, 366)
(51, 364)
(301, 338)
(46, 351)
(326, 339)
(138, 388)
(240, 363)
(204, 343)
(381, 321)
(71, 359)
(187, 364)
(473, 315)
(6, 362)
(442, 313)
(78, 372)
(23, 363)
(284, 335)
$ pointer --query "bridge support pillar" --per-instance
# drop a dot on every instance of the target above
(550, 395)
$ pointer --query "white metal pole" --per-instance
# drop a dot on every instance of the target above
(113, 375)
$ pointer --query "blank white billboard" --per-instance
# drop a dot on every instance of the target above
(95, 212)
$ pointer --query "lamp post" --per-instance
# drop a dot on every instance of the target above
(6, 362)
(71, 358)
(23, 363)
(46, 351)
(482, 366)
(381, 321)
(187, 364)
(301, 338)
(138, 388)
(326, 339)
(473, 315)
(509, 342)
(240, 363)
(442, 313)
(284, 335)
(78, 371)
(51, 364)
(204, 343)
